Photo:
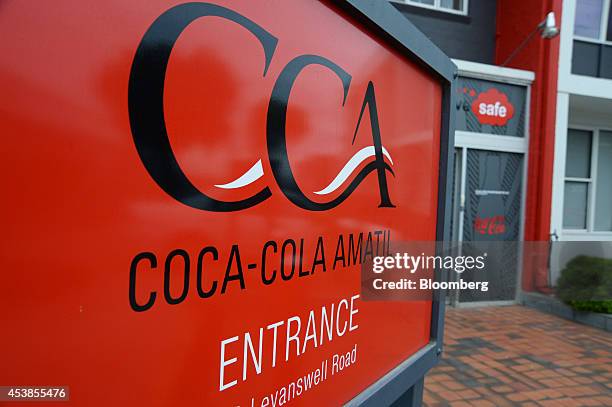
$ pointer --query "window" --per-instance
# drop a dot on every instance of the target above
(592, 20)
(451, 6)
(587, 204)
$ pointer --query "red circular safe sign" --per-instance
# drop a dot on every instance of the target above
(492, 107)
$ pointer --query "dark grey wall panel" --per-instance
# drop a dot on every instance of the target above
(585, 58)
(470, 37)
(605, 69)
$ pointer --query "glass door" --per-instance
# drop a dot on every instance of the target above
(487, 212)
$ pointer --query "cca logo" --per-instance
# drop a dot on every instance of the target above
(146, 111)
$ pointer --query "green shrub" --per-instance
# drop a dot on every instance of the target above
(605, 307)
(586, 284)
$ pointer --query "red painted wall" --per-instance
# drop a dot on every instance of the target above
(516, 19)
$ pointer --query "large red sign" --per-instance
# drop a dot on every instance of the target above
(190, 190)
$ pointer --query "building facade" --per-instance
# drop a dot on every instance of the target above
(582, 174)
(565, 150)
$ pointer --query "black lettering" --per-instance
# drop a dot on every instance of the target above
(354, 252)
(234, 258)
(378, 233)
(133, 267)
(283, 256)
(201, 292)
(146, 102)
(368, 251)
(380, 165)
(264, 279)
(302, 273)
(277, 143)
(339, 257)
(320, 251)
(167, 270)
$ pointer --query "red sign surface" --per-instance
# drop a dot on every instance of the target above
(189, 192)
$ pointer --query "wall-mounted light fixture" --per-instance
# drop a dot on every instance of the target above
(548, 29)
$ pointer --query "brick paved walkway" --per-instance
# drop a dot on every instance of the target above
(516, 356)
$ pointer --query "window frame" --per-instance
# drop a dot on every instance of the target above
(437, 7)
(591, 183)
(603, 26)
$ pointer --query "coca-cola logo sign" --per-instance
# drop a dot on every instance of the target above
(147, 120)
(492, 107)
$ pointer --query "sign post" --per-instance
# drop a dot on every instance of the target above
(193, 195)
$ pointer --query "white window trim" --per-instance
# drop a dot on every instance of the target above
(603, 26)
(592, 40)
(436, 6)
(494, 73)
(592, 185)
